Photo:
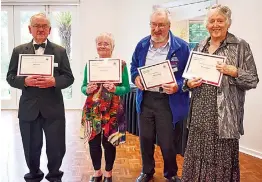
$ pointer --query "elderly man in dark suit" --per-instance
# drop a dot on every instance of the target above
(41, 106)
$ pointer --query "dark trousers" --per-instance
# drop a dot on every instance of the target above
(156, 119)
(96, 152)
(32, 138)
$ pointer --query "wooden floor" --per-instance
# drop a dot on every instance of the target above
(77, 164)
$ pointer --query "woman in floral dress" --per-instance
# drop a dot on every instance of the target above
(216, 116)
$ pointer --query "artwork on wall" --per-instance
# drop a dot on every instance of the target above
(180, 29)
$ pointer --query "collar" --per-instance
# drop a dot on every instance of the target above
(230, 39)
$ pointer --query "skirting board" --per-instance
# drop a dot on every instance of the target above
(250, 152)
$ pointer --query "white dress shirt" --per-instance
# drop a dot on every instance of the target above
(40, 50)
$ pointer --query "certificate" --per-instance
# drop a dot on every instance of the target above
(157, 74)
(32, 64)
(104, 70)
(204, 66)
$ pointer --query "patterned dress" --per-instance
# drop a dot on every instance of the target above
(103, 111)
(208, 158)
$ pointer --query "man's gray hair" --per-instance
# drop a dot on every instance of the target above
(108, 35)
(159, 11)
(223, 10)
(42, 15)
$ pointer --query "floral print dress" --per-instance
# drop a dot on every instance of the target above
(208, 157)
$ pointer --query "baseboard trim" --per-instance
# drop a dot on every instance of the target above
(251, 152)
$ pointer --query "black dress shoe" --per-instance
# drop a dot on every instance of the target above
(144, 177)
(38, 176)
(174, 179)
(107, 179)
(54, 176)
(96, 179)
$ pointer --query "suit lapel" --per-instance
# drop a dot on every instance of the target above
(29, 48)
(49, 48)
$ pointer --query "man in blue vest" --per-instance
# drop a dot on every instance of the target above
(161, 109)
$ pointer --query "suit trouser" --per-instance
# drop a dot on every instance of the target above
(96, 152)
(156, 119)
(32, 138)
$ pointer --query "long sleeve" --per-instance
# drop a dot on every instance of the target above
(66, 77)
(134, 66)
(12, 78)
(247, 74)
(84, 84)
(124, 87)
(181, 80)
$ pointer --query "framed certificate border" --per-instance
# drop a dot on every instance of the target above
(35, 55)
(119, 80)
(167, 62)
(222, 59)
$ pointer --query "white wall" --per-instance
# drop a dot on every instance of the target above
(245, 24)
(128, 20)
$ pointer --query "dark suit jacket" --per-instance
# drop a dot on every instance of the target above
(48, 101)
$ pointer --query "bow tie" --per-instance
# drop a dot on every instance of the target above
(39, 45)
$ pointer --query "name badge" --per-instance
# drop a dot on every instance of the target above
(174, 63)
(175, 69)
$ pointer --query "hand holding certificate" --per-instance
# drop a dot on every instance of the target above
(104, 70)
(156, 74)
(32, 64)
(201, 65)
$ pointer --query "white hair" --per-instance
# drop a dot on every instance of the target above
(223, 10)
(41, 15)
(160, 11)
(108, 35)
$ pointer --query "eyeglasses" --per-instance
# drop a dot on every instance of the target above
(44, 26)
(159, 25)
(105, 44)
